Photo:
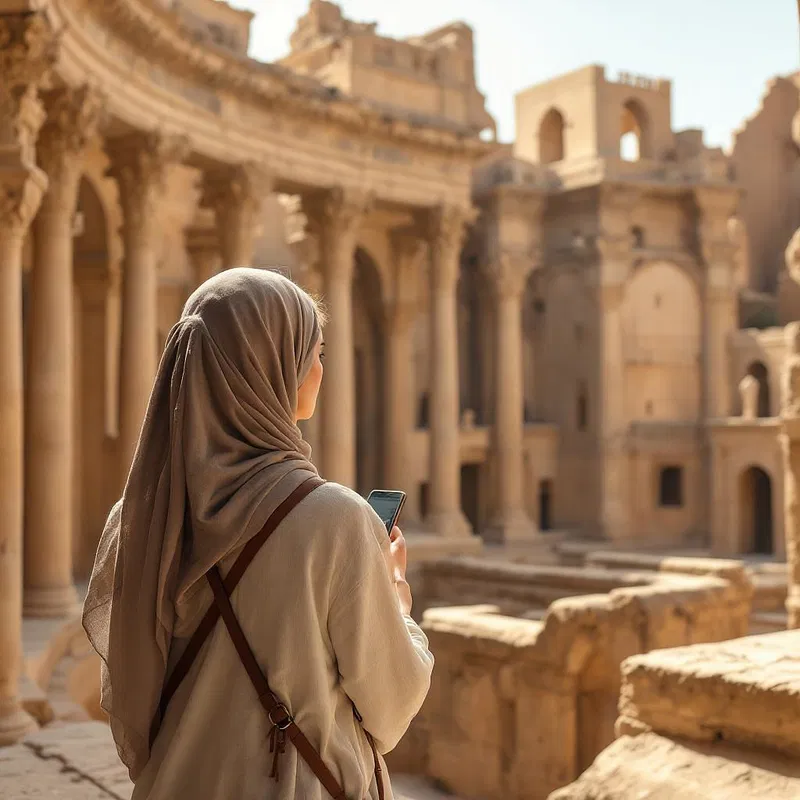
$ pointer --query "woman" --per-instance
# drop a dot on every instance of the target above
(324, 604)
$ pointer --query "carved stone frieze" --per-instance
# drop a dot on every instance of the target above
(28, 49)
(73, 116)
(447, 230)
(168, 42)
(140, 163)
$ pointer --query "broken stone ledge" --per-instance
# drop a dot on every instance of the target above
(706, 722)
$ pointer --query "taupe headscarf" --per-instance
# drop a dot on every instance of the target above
(219, 449)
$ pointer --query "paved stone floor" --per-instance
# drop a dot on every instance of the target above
(79, 762)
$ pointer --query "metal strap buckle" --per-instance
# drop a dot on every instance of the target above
(283, 724)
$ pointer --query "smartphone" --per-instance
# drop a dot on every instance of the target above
(388, 505)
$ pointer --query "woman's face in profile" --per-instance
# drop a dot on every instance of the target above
(309, 388)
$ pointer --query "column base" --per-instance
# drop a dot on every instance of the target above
(449, 524)
(15, 723)
(514, 526)
(50, 602)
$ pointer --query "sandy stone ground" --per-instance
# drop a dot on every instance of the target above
(79, 762)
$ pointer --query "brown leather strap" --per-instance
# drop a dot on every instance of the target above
(231, 581)
(278, 714)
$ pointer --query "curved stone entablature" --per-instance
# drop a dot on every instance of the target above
(235, 109)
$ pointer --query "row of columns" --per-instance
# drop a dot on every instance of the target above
(26, 56)
(62, 124)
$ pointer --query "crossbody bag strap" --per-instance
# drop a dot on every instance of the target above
(232, 579)
(283, 724)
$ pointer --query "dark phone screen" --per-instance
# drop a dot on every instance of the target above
(386, 505)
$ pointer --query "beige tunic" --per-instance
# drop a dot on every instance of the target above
(322, 616)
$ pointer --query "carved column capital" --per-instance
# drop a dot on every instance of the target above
(509, 272)
(241, 187)
(338, 215)
(447, 229)
(28, 49)
(140, 163)
(73, 116)
(21, 191)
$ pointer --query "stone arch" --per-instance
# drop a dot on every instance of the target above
(760, 372)
(662, 341)
(756, 519)
(97, 319)
(551, 137)
(634, 132)
(368, 338)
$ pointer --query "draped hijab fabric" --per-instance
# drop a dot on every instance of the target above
(219, 450)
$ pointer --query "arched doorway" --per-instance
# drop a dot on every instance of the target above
(368, 334)
(755, 492)
(634, 140)
(551, 137)
(759, 371)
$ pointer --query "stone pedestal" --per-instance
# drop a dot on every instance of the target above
(447, 230)
(237, 195)
(140, 163)
(26, 54)
(49, 450)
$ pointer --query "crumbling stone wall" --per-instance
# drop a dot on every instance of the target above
(520, 705)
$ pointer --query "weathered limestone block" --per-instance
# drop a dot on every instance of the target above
(713, 721)
(657, 768)
(744, 692)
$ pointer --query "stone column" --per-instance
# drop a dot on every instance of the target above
(49, 431)
(509, 272)
(140, 163)
(307, 274)
(716, 207)
(615, 499)
(790, 445)
(26, 54)
(203, 248)
(447, 230)
(237, 194)
(402, 309)
(338, 218)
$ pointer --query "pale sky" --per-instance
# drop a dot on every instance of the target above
(719, 54)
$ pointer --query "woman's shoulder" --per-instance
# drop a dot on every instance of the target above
(335, 507)
(337, 501)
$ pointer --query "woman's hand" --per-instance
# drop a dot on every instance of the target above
(398, 560)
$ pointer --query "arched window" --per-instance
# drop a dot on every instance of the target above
(634, 132)
(637, 234)
(759, 371)
(756, 512)
(551, 137)
(670, 487)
